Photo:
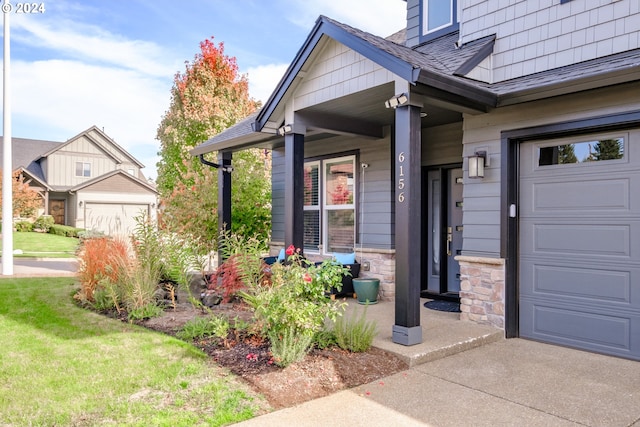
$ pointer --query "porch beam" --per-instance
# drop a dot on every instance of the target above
(340, 125)
(294, 190)
(408, 220)
(224, 198)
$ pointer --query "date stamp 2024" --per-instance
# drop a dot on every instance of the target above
(26, 8)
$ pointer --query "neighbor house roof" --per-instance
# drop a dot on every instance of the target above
(26, 152)
(440, 64)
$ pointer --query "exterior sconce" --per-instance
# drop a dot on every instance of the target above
(282, 131)
(476, 164)
(81, 203)
(397, 101)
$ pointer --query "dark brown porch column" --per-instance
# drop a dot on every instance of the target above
(224, 198)
(407, 179)
(294, 190)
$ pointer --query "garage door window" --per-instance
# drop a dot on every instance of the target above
(592, 150)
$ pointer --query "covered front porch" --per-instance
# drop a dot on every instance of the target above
(377, 114)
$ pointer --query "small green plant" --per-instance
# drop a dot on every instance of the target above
(289, 346)
(202, 327)
(145, 312)
(355, 333)
(324, 339)
(44, 223)
(23, 226)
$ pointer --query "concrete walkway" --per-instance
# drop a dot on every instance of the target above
(467, 375)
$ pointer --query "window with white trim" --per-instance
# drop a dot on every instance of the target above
(83, 169)
(329, 205)
(439, 16)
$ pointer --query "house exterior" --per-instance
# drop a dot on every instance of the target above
(488, 152)
(86, 182)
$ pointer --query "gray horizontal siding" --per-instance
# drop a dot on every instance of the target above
(375, 193)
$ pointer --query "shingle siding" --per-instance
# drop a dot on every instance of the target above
(541, 35)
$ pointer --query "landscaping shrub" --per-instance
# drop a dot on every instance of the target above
(64, 230)
(44, 223)
(99, 259)
(295, 303)
(242, 268)
(23, 226)
(355, 333)
(289, 346)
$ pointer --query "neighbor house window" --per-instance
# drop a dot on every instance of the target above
(439, 15)
(83, 169)
(329, 205)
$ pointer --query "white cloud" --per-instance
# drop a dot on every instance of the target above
(72, 96)
(92, 44)
(263, 80)
(379, 17)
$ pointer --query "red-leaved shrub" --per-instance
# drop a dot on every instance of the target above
(100, 258)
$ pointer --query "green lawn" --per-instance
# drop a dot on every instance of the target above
(44, 245)
(62, 365)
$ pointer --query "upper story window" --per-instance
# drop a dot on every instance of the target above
(83, 169)
(439, 17)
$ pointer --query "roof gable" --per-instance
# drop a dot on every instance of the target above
(115, 181)
(103, 142)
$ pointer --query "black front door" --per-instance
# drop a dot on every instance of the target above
(442, 240)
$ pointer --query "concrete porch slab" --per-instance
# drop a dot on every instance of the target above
(443, 334)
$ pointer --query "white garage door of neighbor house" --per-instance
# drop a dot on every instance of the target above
(113, 218)
(579, 242)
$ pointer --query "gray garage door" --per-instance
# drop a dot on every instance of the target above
(579, 242)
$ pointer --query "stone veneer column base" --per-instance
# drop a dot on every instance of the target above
(482, 290)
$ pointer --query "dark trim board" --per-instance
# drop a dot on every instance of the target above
(510, 145)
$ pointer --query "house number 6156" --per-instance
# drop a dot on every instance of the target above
(401, 183)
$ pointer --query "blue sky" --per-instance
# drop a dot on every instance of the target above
(111, 63)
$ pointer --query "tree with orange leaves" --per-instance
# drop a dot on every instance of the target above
(26, 200)
(208, 97)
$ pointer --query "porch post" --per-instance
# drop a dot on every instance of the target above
(294, 190)
(224, 198)
(407, 330)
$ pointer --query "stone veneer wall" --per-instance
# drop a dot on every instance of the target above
(381, 261)
(482, 289)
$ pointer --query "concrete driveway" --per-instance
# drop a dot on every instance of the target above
(506, 383)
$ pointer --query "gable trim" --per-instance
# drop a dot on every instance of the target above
(109, 175)
(324, 27)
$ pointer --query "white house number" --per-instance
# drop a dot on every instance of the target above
(401, 183)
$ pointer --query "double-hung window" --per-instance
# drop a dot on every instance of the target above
(83, 169)
(329, 205)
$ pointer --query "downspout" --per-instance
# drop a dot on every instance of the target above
(204, 161)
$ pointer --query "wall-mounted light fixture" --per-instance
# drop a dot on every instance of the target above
(81, 203)
(282, 131)
(476, 164)
(397, 101)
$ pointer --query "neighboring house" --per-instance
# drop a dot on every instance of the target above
(375, 143)
(87, 182)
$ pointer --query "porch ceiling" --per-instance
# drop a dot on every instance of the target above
(364, 112)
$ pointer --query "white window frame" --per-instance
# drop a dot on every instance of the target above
(454, 12)
(325, 208)
(86, 169)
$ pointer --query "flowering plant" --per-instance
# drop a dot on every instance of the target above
(296, 299)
